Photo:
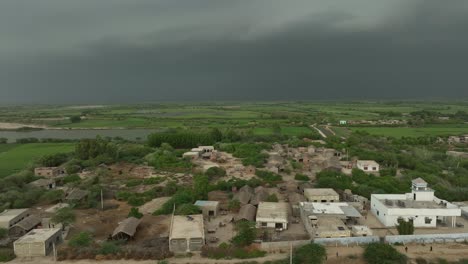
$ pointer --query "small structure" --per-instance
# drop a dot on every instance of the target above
(294, 199)
(321, 195)
(49, 172)
(260, 195)
(343, 122)
(208, 208)
(360, 231)
(245, 194)
(11, 217)
(246, 213)
(126, 229)
(272, 215)
(187, 233)
(368, 165)
(47, 184)
(25, 225)
(329, 227)
(191, 155)
(220, 196)
(37, 243)
(76, 196)
(420, 206)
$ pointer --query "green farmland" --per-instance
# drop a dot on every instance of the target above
(14, 157)
(399, 132)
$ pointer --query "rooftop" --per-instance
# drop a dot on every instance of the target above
(320, 192)
(272, 211)
(9, 214)
(339, 209)
(206, 203)
(127, 226)
(419, 181)
(38, 235)
(368, 162)
(190, 226)
(403, 201)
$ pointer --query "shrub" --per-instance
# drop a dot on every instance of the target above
(134, 212)
(71, 178)
(272, 198)
(405, 227)
(6, 254)
(187, 209)
(377, 253)
(109, 248)
(268, 176)
(301, 177)
(246, 234)
(3, 232)
(82, 239)
(65, 216)
(234, 205)
(215, 173)
(311, 253)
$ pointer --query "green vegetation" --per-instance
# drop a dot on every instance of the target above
(16, 157)
(251, 154)
(3, 232)
(405, 227)
(377, 253)
(134, 212)
(65, 216)
(246, 234)
(82, 239)
(311, 253)
(301, 177)
(109, 248)
(268, 176)
(399, 132)
(6, 254)
(272, 198)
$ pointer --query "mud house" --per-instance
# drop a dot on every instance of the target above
(368, 165)
(208, 208)
(47, 184)
(419, 206)
(246, 213)
(25, 225)
(272, 215)
(37, 243)
(126, 229)
(321, 195)
(187, 233)
(49, 172)
(76, 196)
(11, 217)
(245, 195)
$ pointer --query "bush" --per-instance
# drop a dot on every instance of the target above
(3, 232)
(268, 176)
(215, 173)
(82, 239)
(246, 234)
(109, 248)
(6, 254)
(405, 227)
(234, 205)
(272, 198)
(301, 177)
(311, 253)
(134, 212)
(65, 216)
(377, 253)
(187, 209)
(71, 178)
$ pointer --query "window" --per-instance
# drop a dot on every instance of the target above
(324, 201)
(427, 220)
(264, 224)
(377, 212)
(366, 168)
(374, 168)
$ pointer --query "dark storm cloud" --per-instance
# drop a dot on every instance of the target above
(95, 51)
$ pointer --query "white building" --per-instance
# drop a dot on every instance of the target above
(272, 215)
(368, 165)
(420, 205)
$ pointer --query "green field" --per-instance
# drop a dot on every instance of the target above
(14, 157)
(289, 131)
(413, 131)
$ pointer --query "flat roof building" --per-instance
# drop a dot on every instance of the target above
(10, 217)
(272, 215)
(187, 233)
(420, 206)
(37, 243)
(368, 165)
(321, 195)
(208, 208)
(48, 172)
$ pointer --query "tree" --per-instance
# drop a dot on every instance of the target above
(246, 234)
(311, 253)
(216, 134)
(377, 253)
(134, 212)
(82, 239)
(234, 205)
(75, 119)
(215, 173)
(65, 216)
(200, 187)
(53, 160)
(405, 227)
(187, 209)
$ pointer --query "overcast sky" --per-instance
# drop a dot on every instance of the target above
(108, 51)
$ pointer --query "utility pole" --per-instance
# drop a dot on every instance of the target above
(55, 251)
(290, 253)
(102, 201)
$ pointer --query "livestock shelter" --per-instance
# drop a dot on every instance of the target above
(126, 229)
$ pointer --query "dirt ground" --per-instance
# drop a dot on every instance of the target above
(153, 205)
(224, 233)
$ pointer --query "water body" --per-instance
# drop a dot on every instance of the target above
(129, 134)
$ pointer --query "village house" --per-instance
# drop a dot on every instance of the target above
(24, 226)
(325, 220)
(47, 184)
(458, 139)
(208, 208)
(37, 243)
(49, 172)
(126, 229)
(187, 233)
(246, 213)
(11, 217)
(76, 196)
(321, 195)
(419, 206)
(368, 165)
(272, 215)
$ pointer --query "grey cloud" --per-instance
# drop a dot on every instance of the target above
(235, 50)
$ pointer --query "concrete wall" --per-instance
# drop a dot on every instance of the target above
(431, 238)
(345, 241)
(15, 220)
(282, 245)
